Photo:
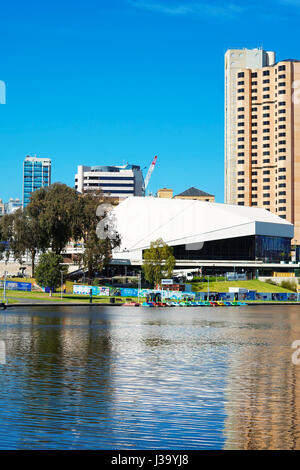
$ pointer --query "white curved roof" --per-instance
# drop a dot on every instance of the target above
(140, 220)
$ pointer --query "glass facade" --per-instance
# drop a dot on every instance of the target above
(254, 247)
(36, 174)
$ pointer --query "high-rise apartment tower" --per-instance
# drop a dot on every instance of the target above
(236, 59)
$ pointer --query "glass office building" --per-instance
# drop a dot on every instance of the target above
(36, 175)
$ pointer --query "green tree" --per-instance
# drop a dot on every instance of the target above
(98, 245)
(57, 211)
(49, 269)
(159, 261)
(22, 235)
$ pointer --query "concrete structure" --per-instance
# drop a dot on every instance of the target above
(115, 181)
(202, 233)
(268, 140)
(236, 59)
(36, 174)
(197, 194)
(12, 205)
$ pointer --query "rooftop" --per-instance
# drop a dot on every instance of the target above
(194, 192)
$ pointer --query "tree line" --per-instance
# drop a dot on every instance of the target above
(55, 216)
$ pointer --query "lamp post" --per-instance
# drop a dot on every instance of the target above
(208, 285)
(4, 288)
(139, 285)
(61, 285)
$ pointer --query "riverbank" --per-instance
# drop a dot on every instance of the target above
(106, 304)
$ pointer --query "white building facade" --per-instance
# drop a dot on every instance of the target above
(201, 231)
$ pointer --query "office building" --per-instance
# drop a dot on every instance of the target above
(114, 181)
(267, 133)
(36, 175)
(236, 59)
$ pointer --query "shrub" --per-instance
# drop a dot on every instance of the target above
(291, 285)
(270, 281)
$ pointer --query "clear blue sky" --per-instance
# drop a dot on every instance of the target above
(105, 82)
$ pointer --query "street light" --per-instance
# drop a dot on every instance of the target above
(61, 285)
(139, 285)
(208, 286)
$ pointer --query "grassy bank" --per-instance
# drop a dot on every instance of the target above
(223, 286)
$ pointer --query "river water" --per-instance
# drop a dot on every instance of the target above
(134, 378)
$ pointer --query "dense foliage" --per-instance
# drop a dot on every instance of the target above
(50, 270)
(55, 216)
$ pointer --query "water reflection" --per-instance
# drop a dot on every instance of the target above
(133, 378)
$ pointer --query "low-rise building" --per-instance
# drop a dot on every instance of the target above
(2, 208)
(194, 193)
(191, 193)
(202, 234)
(13, 205)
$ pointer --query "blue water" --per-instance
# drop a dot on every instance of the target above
(133, 378)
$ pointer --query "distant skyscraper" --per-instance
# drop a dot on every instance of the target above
(114, 181)
(236, 59)
(36, 175)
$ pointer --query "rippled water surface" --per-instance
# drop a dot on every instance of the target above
(133, 378)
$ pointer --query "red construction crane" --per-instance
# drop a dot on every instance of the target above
(148, 176)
